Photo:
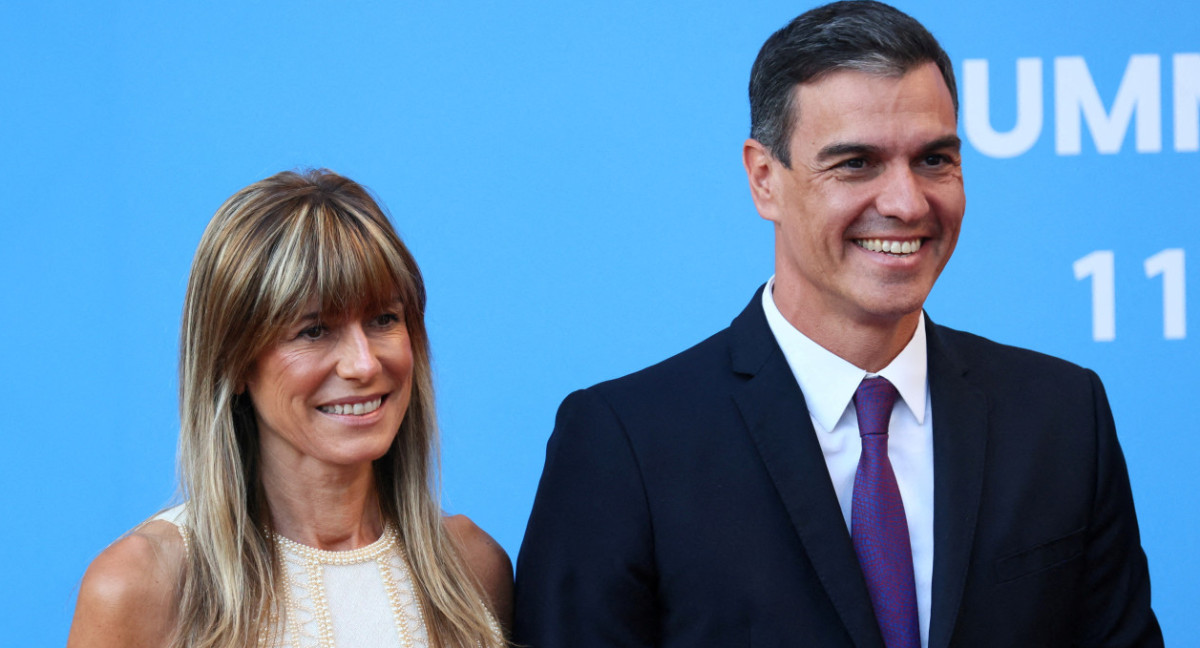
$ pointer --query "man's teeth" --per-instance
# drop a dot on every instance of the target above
(357, 409)
(890, 247)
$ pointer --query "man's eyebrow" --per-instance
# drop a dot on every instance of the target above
(948, 142)
(845, 149)
(858, 149)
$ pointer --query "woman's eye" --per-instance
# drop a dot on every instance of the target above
(313, 332)
(384, 320)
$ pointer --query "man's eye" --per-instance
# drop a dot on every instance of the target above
(854, 163)
(936, 159)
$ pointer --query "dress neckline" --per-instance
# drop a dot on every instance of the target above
(381, 547)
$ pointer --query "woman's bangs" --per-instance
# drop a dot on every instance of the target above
(356, 268)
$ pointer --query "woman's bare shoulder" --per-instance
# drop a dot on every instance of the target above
(129, 594)
(489, 563)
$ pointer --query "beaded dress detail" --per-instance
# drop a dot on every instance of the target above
(362, 597)
(342, 599)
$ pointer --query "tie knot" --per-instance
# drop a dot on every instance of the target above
(873, 403)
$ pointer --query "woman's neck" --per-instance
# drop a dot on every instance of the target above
(335, 508)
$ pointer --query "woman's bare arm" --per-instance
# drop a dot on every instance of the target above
(129, 595)
(489, 563)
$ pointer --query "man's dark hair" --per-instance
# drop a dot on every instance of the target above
(861, 35)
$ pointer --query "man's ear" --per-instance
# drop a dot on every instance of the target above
(762, 172)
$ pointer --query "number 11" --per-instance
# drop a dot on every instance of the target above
(1099, 266)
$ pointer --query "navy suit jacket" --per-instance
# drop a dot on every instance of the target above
(689, 504)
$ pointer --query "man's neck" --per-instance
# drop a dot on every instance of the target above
(867, 343)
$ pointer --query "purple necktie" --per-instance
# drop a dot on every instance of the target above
(877, 523)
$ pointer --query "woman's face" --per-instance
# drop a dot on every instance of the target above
(333, 392)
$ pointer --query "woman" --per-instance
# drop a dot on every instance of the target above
(307, 449)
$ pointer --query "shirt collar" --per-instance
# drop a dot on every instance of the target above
(829, 382)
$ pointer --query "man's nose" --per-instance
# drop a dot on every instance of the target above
(356, 356)
(902, 195)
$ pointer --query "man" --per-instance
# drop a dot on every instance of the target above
(834, 469)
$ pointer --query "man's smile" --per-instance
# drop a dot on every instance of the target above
(889, 246)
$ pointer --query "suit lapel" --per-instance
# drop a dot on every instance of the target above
(777, 419)
(959, 454)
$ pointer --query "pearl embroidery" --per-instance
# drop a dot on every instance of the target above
(309, 621)
(308, 617)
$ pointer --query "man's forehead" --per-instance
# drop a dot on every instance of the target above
(850, 113)
(843, 79)
(843, 93)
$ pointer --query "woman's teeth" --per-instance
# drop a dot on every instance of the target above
(357, 409)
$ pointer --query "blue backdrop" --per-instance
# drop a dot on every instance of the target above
(569, 179)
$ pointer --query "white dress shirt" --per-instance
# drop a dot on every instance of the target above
(828, 383)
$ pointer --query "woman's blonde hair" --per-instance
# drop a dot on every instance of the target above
(272, 247)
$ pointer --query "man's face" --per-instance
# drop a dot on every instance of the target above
(870, 211)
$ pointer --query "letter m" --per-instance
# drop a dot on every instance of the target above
(1075, 94)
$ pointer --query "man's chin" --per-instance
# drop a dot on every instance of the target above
(889, 309)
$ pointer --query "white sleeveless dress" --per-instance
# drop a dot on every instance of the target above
(361, 598)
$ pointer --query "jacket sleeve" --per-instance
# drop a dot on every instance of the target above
(586, 572)
(1116, 609)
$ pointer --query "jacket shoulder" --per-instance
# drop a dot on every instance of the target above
(979, 353)
(698, 368)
